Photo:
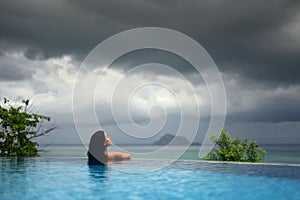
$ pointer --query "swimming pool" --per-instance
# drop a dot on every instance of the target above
(71, 178)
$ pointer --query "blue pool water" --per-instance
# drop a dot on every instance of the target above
(71, 178)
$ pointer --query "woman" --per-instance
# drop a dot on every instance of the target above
(98, 153)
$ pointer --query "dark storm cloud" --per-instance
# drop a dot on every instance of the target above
(52, 27)
(273, 110)
(12, 72)
(143, 56)
(243, 37)
(267, 115)
(35, 54)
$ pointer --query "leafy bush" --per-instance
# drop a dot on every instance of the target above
(17, 127)
(234, 149)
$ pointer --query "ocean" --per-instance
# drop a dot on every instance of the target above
(276, 153)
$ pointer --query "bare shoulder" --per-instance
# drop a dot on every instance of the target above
(118, 156)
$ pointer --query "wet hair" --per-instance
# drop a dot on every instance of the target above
(96, 153)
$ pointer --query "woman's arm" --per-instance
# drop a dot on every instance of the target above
(118, 156)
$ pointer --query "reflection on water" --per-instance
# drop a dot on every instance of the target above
(98, 172)
(16, 171)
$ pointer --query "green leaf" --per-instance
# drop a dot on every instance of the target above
(17, 127)
(235, 149)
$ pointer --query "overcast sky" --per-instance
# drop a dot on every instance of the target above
(255, 45)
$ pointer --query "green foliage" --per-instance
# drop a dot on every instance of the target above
(18, 127)
(234, 149)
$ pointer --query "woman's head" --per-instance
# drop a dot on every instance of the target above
(99, 140)
(98, 146)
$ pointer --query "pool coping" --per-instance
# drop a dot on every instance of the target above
(226, 162)
(247, 163)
